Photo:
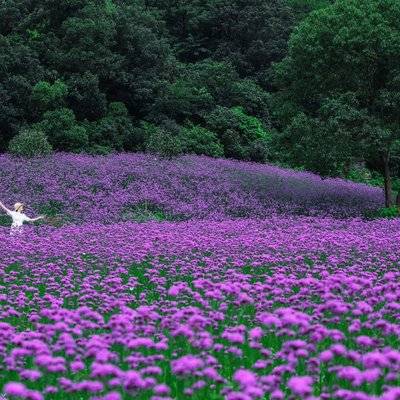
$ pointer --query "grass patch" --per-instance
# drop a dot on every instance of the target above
(147, 211)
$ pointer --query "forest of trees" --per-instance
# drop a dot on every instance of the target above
(312, 84)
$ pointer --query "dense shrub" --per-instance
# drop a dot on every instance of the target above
(112, 132)
(30, 143)
(259, 149)
(237, 131)
(63, 131)
(159, 140)
(198, 140)
(362, 174)
(85, 97)
(100, 150)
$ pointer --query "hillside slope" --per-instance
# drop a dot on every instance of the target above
(108, 189)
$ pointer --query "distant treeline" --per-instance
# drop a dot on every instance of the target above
(168, 75)
(306, 83)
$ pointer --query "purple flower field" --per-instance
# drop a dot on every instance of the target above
(110, 189)
(230, 294)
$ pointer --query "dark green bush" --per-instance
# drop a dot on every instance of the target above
(99, 150)
(242, 135)
(160, 140)
(259, 150)
(114, 131)
(49, 96)
(63, 131)
(5, 220)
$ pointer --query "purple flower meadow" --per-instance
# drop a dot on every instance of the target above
(107, 189)
(236, 296)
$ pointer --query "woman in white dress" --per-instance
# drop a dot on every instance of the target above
(18, 217)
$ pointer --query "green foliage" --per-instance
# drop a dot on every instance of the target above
(237, 131)
(204, 85)
(362, 174)
(386, 212)
(161, 140)
(85, 97)
(198, 88)
(89, 73)
(30, 143)
(338, 38)
(198, 140)
(88, 39)
(302, 8)
(112, 132)
(49, 96)
(117, 109)
(103, 51)
(251, 126)
(99, 150)
(252, 97)
(145, 58)
(4, 220)
(310, 4)
(249, 35)
(296, 136)
(162, 61)
(147, 211)
(323, 144)
(20, 70)
(53, 210)
(342, 72)
(182, 100)
(260, 149)
(63, 131)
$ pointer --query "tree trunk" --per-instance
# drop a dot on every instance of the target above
(346, 168)
(388, 181)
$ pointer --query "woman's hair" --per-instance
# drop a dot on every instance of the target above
(17, 206)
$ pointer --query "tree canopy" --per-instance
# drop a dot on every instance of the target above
(342, 77)
(161, 60)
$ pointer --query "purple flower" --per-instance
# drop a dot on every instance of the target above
(161, 389)
(256, 333)
(245, 377)
(15, 389)
(301, 385)
(186, 365)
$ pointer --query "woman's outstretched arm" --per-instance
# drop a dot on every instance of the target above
(5, 208)
(35, 219)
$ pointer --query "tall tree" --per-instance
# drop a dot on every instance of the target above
(347, 55)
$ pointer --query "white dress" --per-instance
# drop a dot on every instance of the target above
(18, 220)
